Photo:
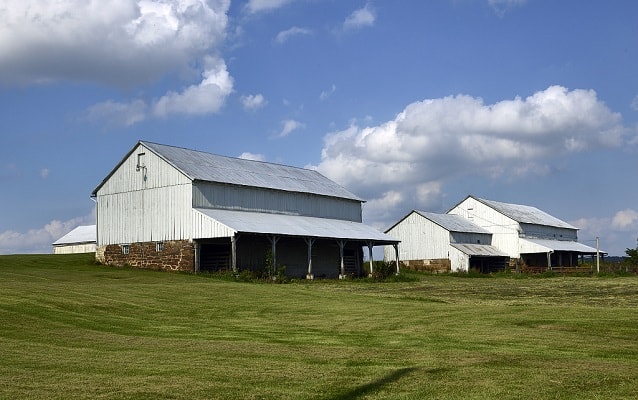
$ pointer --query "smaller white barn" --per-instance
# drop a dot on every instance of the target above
(80, 240)
(535, 238)
(437, 242)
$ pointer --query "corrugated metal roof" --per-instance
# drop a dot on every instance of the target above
(202, 166)
(562, 245)
(479, 249)
(452, 222)
(526, 214)
(295, 225)
(81, 234)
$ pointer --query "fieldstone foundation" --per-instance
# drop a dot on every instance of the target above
(174, 255)
(432, 265)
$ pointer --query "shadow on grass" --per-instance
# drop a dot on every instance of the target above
(375, 385)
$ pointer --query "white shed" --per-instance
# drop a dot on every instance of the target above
(432, 241)
(524, 232)
(80, 240)
(171, 208)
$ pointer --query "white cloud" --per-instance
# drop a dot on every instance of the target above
(44, 173)
(327, 93)
(634, 104)
(289, 126)
(253, 102)
(252, 156)
(125, 42)
(283, 36)
(500, 7)
(360, 18)
(120, 114)
(257, 6)
(204, 98)
(625, 220)
(39, 240)
(435, 141)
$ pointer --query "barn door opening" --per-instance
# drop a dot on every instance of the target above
(215, 255)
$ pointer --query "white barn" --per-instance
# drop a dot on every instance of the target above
(525, 233)
(438, 242)
(171, 208)
(80, 240)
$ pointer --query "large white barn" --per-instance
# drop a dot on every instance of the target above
(525, 233)
(166, 207)
(441, 242)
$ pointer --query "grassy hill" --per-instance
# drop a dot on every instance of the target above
(73, 329)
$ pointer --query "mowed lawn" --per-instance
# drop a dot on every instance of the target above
(72, 329)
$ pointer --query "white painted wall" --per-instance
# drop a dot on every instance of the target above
(152, 203)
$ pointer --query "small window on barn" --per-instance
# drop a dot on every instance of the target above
(126, 248)
(140, 161)
(159, 246)
(478, 241)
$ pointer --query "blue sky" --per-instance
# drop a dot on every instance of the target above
(408, 104)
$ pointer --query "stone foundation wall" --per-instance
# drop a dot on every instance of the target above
(178, 255)
(433, 265)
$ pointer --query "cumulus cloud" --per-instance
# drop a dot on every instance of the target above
(39, 240)
(363, 17)
(289, 126)
(257, 6)
(253, 102)
(434, 141)
(204, 98)
(283, 36)
(126, 43)
(44, 173)
(625, 220)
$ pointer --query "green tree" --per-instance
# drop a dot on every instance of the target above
(632, 255)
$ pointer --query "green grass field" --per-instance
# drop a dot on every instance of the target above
(72, 329)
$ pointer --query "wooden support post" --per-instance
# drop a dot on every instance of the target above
(310, 242)
(371, 258)
(549, 260)
(342, 267)
(233, 252)
(273, 242)
(396, 253)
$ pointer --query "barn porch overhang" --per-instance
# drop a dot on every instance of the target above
(274, 226)
(551, 246)
(482, 250)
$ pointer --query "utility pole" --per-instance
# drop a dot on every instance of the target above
(597, 257)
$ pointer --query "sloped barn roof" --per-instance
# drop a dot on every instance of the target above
(453, 223)
(81, 234)
(207, 167)
(526, 214)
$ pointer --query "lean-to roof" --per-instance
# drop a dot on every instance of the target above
(296, 225)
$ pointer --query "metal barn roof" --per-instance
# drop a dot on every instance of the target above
(558, 245)
(526, 214)
(452, 222)
(81, 234)
(478, 250)
(198, 165)
(294, 225)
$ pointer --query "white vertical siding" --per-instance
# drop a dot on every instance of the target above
(505, 231)
(459, 261)
(152, 203)
(205, 227)
(74, 248)
(421, 239)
